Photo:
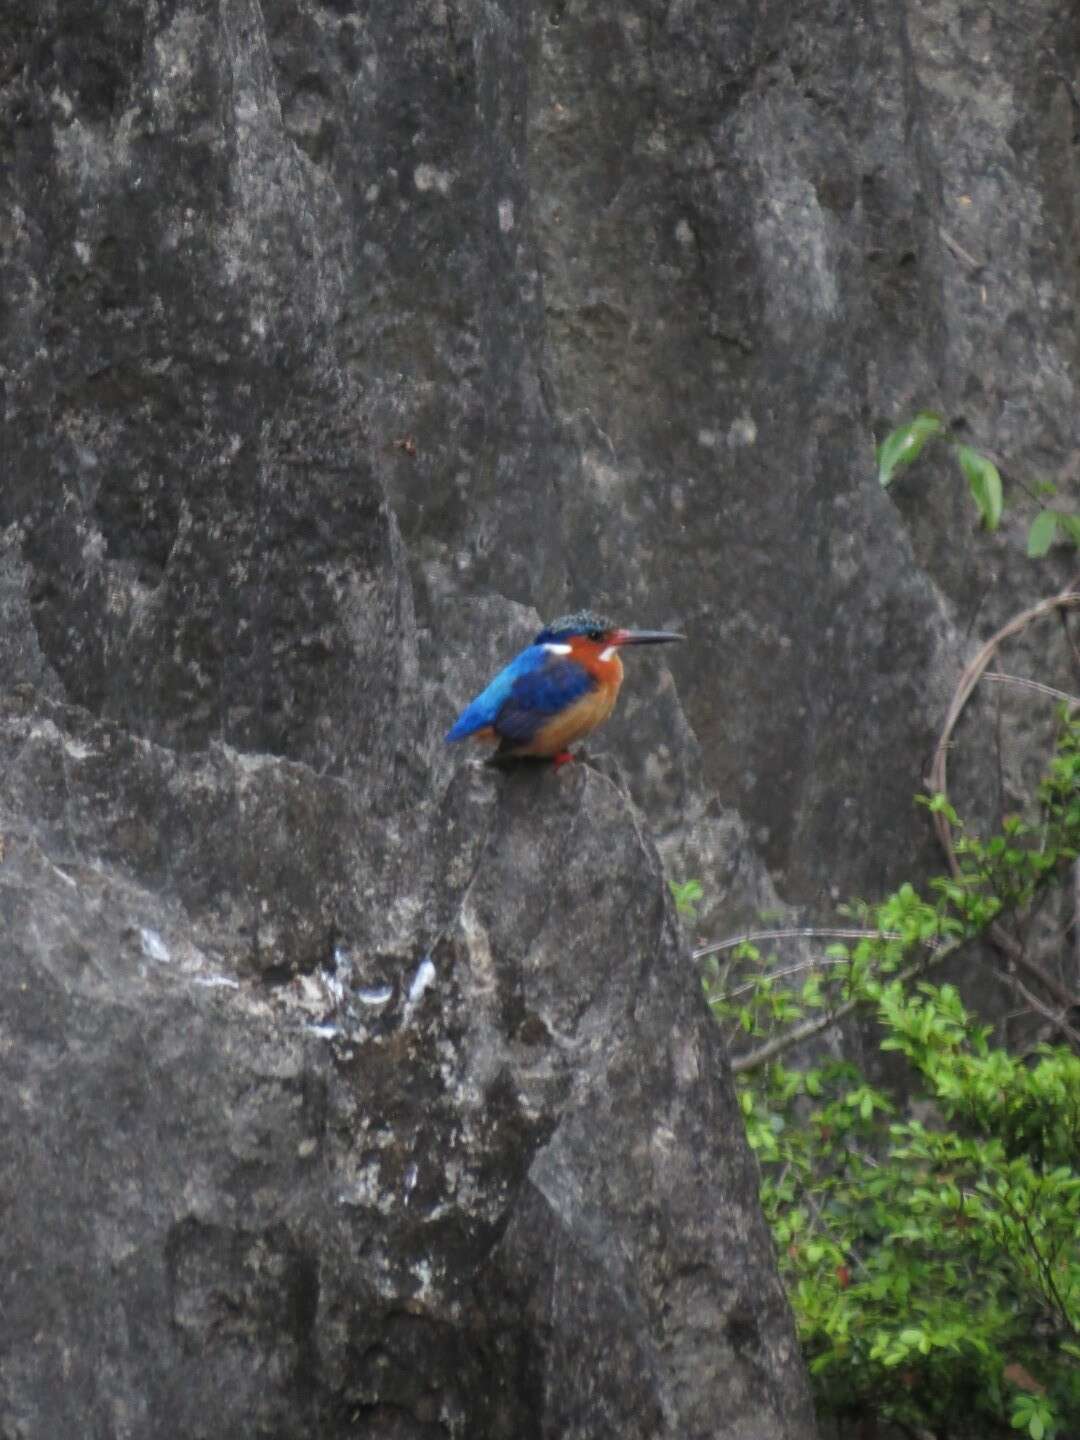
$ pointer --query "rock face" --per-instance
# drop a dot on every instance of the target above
(269, 1174)
(346, 1089)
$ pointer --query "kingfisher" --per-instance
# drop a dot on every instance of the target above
(556, 691)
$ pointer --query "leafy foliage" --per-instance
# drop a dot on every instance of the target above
(906, 443)
(932, 1257)
(902, 446)
(1047, 526)
(982, 476)
(687, 895)
(1042, 534)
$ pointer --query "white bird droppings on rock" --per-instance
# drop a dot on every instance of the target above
(422, 980)
(153, 947)
(426, 177)
(375, 995)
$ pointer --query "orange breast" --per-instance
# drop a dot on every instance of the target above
(584, 715)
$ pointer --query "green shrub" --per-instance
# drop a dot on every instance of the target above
(1050, 524)
(932, 1256)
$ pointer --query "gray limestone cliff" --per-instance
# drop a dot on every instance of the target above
(348, 1089)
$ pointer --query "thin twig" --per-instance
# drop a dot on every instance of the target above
(938, 784)
(938, 777)
(810, 933)
(1063, 617)
(1031, 685)
(1049, 1286)
(1000, 767)
(1061, 993)
(779, 1043)
(959, 251)
(1057, 1019)
(811, 964)
(1068, 599)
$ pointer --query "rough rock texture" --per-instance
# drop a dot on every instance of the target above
(494, 1188)
(347, 1090)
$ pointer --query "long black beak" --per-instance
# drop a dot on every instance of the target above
(643, 637)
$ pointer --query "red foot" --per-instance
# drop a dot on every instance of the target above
(562, 758)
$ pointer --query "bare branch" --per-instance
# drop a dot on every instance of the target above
(808, 933)
(938, 778)
(959, 251)
(811, 964)
(1032, 685)
(1056, 1018)
(1068, 599)
(754, 1059)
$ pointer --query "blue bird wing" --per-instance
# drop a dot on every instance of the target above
(537, 696)
(535, 686)
(481, 712)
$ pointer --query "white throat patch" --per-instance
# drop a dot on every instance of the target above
(607, 653)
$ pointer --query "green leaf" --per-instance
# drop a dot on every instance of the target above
(1042, 532)
(687, 894)
(904, 444)
(982, 476)
(956, 1223)
(1071, 525)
